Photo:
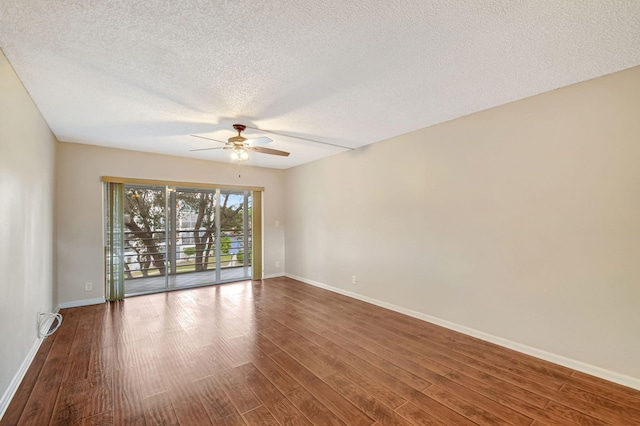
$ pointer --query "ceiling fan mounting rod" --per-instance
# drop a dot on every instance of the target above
(240, 128)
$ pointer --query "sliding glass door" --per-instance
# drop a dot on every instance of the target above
(178, 237)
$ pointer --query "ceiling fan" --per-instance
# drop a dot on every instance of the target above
(240, 146)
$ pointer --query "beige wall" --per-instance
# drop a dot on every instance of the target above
(79, 206)
(522, 221)
(27, 159)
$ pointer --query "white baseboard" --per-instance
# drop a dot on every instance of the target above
(583, 367)
(85, 302)
(19, 376)
(17, 379)
(276, 275)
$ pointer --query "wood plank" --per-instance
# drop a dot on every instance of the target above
(278, 405)
(503, 396)
(156, 378)
(320, 366)
(69, 407)
(489, 404)
(127, 401)
(572, 415)
(340, 406)
(438, 410)
(498, 353)
(312, 408)
(264, 344)
(158, 410)
(545, 371)
(98, 398)
(186, 400)
(240, 393)
(280, 378)
(260, 416)
(191, 412)
(598, 406)
(516, 378)
(284, 352)
(285, 340)
(419, 417)
(380, 390)
(214, 399)
(233, 420)
(360, 398)
(102, 419)
(614, 391)
(463, 406)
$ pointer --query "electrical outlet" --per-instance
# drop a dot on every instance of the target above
(354, 280)
(277, 263)
(277, 223)
(88, 286)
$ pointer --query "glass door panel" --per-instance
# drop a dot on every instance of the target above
(194, 233)
(145, 260)
(235, 235)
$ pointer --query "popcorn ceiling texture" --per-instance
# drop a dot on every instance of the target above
(143, 75)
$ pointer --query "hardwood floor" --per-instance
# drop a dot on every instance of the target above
(280, 352)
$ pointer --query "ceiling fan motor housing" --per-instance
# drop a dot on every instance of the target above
(238, 141)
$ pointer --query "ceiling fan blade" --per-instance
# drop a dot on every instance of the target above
(208, 149)
(209, 139)
(258, 141)
(268, 151)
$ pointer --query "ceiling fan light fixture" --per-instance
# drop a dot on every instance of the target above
(239, 154)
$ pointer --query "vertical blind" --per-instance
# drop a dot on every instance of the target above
(115, 239)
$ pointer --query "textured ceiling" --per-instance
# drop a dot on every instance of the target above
(143, 75)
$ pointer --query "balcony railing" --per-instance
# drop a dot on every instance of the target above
(147, 253)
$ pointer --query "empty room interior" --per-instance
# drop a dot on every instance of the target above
(348, 213)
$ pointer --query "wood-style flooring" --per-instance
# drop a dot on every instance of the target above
(280, 352)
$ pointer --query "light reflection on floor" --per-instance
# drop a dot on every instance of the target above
(184, 280)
